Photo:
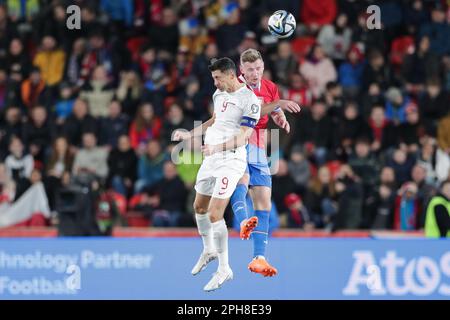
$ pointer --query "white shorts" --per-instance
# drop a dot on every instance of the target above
(219, 174)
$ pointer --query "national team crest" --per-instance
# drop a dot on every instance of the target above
(255, 108)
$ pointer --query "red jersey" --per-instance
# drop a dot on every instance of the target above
(267, 92)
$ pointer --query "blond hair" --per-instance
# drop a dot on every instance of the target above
(250, 55)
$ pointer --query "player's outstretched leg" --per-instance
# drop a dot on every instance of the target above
(260, 234)
(224, 272)
(220, 236)
(205, 230)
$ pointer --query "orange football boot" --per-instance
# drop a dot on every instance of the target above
(247, 227)
(261, 266)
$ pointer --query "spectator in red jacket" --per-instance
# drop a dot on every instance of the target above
(318, 13)
(145, 127)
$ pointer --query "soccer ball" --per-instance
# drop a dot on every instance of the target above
(282, 24)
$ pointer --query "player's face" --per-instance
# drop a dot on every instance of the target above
(221, 79)
(253, 71)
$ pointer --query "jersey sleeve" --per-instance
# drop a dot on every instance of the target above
(251, 111)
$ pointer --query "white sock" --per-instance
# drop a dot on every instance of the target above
(220, 232)
(205, 230)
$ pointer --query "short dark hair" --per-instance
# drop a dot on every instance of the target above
(223, 65)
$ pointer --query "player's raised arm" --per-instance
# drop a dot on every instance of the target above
(197, 131)
(285, 105)
(235, 142)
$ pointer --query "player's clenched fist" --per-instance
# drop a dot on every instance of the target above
(180, 135)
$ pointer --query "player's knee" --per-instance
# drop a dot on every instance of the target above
(200, 209)
(262, 200)
(244, 180)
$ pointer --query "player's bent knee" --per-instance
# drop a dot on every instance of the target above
(200, 209)
(244, 180)
(261, 198)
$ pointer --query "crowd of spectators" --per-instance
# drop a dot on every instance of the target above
(368, 150)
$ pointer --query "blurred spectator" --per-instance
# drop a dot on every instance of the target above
(169, 28)
(364, 164)
(180, 71)
(150, 166)
(283, 183)
(154, 76)
(145, 127)
(64, 105)
(407, 208)
(376, 71)
(419, 67)
(437, 222)
(433, 105)
(314, 130)
(98, 53)
(230, 34)
(78, 123)
(18, 164)
(195, 39)
(174, 119)
(50, 61)
(425, 190)
(402, 164)
(193, 101)
(298, 91)
(318, 13)
(383, 133)
(37, 133)
(437, 30)
(298, 214)
(335, 101)
(129, 92)
(350, 127)
(335, 38)
(91, 160)
(410, 131)
(415, 15)
(32, 90)
(122, 165)
(98, 92)
(299, 169)
(200, 69)
(351, 70)
(374, 96)
(284, 64)
(114, 125)
(318, 70)
(396, 104)
(383, 208)
(350, 200)
(17, 60)
(173, 202)
(321, 199)
(74, 62)
(120, 11)
(59, 161)
(11, 126)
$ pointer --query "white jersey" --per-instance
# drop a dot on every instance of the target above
(232, 110)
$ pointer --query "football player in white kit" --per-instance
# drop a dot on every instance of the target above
(236, 112)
